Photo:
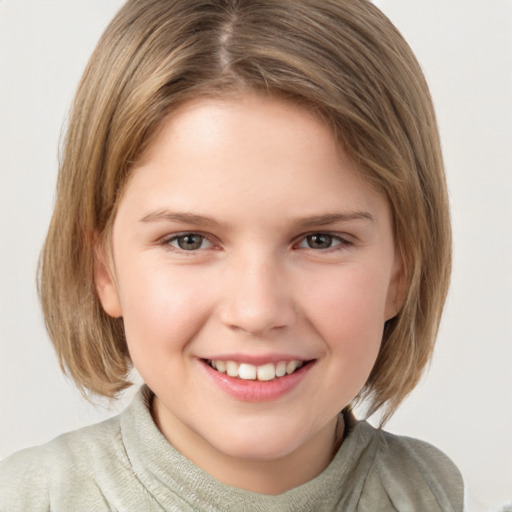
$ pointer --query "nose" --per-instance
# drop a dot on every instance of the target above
(257, 297)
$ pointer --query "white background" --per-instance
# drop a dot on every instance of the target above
(464, 404)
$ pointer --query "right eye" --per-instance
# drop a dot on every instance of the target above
(189, 242)
(324, 242)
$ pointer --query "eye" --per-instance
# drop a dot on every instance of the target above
(321, 241)
(189, 242)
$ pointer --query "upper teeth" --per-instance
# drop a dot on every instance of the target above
(246, 371)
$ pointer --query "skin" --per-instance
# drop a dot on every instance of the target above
(264, 173)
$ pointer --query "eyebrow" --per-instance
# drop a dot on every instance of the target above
(333, 218)
(183, 217)
(306, 222)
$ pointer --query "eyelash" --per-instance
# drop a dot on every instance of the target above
(175, 238)
(339, 242)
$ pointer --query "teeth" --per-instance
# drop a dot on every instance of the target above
(232, 369)
(291, 367)
(281, 369)
(248, 371)
(267, 372)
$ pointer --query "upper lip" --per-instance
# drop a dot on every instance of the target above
(257, 360)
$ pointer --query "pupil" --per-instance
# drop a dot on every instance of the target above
(190, 242)
(320, 241)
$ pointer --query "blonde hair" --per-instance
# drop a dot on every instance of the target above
(343, 59)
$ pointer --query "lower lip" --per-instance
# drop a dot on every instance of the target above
(255, 390)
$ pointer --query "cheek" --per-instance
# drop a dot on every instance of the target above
(347, 309)
(348, 297)
(162, 311)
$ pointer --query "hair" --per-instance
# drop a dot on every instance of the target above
(343, 60)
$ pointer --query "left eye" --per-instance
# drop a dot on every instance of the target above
(321, 241)
(189, 242)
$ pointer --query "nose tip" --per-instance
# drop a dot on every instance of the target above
(258, 302)
(258, 321)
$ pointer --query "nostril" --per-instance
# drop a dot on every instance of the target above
(258, 319)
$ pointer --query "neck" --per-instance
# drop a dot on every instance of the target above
(268, 476)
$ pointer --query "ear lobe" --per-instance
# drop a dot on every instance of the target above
(397, 289)
(105, 284)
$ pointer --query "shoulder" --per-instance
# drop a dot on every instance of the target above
(31, 479)
(434, 464)
(410, 472)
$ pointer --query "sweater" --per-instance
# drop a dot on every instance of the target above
(126, 464)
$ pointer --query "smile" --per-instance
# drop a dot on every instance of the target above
(266, 372)
(260, 380)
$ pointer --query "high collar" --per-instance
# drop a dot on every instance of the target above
(166, 473)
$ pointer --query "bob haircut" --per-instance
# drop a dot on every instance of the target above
(343, 60)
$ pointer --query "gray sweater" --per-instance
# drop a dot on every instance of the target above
(126, 464)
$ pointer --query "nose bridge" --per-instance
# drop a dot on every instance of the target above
(257, 296)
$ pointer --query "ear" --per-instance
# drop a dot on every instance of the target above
(105, 283)
(397, 288)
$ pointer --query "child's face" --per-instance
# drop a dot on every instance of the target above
(245, 236)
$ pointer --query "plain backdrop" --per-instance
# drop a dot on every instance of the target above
(464, 403)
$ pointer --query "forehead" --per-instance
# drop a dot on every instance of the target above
(203, 118)
(227, 152)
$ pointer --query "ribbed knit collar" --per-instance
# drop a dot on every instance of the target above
(167, 474)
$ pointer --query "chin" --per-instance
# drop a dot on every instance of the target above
(263, 452)
(257, 443)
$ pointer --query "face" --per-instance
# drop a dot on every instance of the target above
(254, 270)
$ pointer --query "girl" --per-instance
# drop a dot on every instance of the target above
(246, 206)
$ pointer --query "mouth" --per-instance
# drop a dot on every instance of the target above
(264, 373)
